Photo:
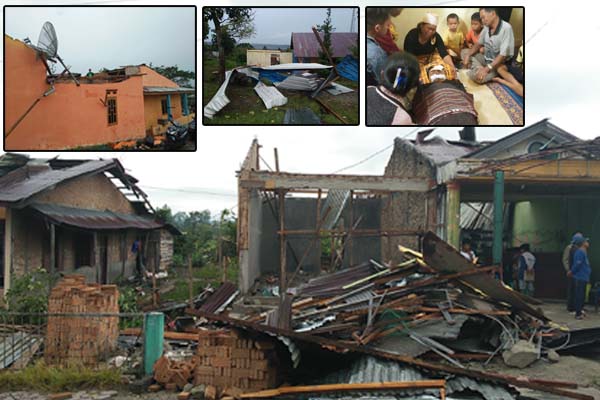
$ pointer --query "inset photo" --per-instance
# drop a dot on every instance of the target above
(459, 66)
(280, 66)
(96, 78)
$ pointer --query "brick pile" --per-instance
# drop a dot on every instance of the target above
(227, 359)
(174, 373)
(81, 340)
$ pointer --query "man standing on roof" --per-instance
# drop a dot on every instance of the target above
(581, 271)
(567, 261)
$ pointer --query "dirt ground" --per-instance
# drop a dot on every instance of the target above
(583, 370)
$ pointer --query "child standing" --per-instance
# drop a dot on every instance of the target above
(454, 39)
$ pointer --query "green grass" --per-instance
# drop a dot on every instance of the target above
(44, 378)
(202, 276)
(247, 108)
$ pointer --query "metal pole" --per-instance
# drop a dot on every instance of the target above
(453, 214)
(498, 218)
(282, 247)
(154, 326)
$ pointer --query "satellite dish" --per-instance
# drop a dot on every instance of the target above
(48, 44)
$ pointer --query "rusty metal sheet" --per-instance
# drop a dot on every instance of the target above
(443, 257)
(26, 181)
(305, 44)
(94, 219)
(222, 295)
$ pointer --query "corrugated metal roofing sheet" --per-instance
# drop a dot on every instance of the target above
(222, 295)
(305, 44)
(94, 219)
(270, 95)
(372, 369)
(31, 181)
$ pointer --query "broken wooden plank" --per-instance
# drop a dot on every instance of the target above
(351, 346)
(167, 334)
(443, 257)
(346, 387)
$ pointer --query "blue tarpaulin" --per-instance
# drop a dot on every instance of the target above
(271, 76)
(348, 68)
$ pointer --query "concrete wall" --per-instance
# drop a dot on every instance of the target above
(548, 225)
(153, 112)
(31, 248)
(153, 78)
(95, 192)
(72, 116)
(405, 210)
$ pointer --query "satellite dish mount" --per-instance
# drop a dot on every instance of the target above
(48, 45)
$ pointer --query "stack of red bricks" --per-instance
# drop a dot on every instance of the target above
(173, 374)
(81, 339)
(227, 359)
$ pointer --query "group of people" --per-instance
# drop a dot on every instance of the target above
(419, 84)
(575, 262)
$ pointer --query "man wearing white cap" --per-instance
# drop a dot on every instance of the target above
(423, 41)
(498, 40)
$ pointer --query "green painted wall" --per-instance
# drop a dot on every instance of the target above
(547, 225)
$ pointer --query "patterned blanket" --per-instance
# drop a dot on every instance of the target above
(444, 103)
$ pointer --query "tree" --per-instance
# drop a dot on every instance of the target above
(173, 72)
(237, 21)
(227, 42)
(326, 28)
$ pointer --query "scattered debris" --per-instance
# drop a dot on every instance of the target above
(301, 116)
(270, 95)
(521, 354)
(337, 88)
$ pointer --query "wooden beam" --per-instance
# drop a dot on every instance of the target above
(345, 387)
(52, 248)
(436, 367)
(286, 180)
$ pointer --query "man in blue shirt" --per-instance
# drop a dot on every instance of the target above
(580, 271)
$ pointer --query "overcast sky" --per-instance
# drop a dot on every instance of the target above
(275, 25)
(561, 83)
(109, 37)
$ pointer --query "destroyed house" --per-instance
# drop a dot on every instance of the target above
(79, 216)
(429, 184)
(44, 110)
(306, 48)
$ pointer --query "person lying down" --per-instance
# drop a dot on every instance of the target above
(440, 98)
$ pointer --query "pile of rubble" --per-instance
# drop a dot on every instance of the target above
(83, 337)
(434, 311)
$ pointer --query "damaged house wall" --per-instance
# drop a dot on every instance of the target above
(300, 214)
(406, 210)
(56, 120)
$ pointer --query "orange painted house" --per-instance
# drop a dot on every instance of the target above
(53, 114)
